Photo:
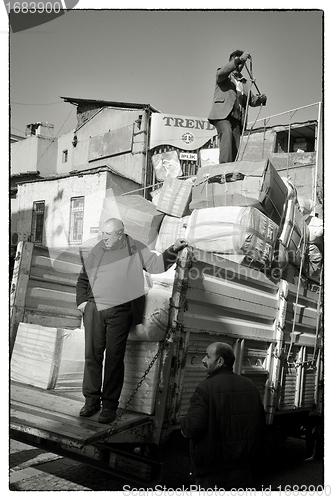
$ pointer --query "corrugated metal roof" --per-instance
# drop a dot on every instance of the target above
(76, 101)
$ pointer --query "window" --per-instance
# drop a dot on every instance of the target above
(37, 226)
(65, 156)
(76, 220)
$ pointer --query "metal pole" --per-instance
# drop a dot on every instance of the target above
(317, 161)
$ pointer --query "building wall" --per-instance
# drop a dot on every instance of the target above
(34, 154)
(107, 138)
(57, 193)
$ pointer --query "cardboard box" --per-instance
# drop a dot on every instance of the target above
(242, 183)
(140, 216)
(175, 197)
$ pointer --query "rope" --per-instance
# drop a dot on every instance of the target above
(252, 80)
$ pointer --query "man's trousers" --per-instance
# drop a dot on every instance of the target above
(229, 132)
(105, 331)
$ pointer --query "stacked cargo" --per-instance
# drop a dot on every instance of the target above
(245, 212)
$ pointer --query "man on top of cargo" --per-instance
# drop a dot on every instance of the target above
(229, 109)
(224, 422)
(110, 295)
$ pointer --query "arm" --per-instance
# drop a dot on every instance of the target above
(196, 421)
(156, 264)
(82, 287)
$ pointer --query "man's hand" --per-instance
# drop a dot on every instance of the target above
(179, 244)
(244, 57)
(262, 99)
(82, 306)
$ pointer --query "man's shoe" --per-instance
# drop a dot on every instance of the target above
(107, 416)
(89, 410)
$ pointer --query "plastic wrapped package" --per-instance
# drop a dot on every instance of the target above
(305, 205)
(209, 157)
(316, 231)
(140, 216)
(155, 316)
(175, 197)
(314, 262)
(164, 280)
(294, 233)
(166, 164)
(36, 355)
(170, 229)
(48, 358)
(292, 192)
(242, 183)
(138, 356)
(233, 230)
(70, 374)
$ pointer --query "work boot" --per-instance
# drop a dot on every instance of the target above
(107, 415)
(90, 410)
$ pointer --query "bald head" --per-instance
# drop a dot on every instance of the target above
(113, 232)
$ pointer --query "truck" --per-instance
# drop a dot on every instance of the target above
(273, 323)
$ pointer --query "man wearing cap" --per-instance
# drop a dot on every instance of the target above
(228, 113)
(110, 295)
(225, 423)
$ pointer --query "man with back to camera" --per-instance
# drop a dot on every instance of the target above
(224, 422)
(229, 105)
(110, 295)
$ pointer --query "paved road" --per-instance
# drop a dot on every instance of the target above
(32, 469)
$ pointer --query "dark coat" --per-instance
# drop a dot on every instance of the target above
(140, 258)
(224, 422)
(225, 95)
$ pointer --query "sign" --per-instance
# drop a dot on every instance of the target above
(183, 132)
(188, 156)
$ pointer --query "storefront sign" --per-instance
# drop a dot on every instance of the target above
(183, 132)
(188, 156)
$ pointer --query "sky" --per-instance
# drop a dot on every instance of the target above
(167, 59)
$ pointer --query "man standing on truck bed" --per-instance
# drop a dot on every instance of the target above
(110, 295)
(229, 109)
(224, 422)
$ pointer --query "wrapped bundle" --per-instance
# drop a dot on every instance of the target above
(233, 230)
(36, 355)
(140, 216)
(316, 231)
(138, 355)
(314, 262)
(209, 157)
(294, 233)
(170, 229)
(175, 197)
(166, 164)
(48, 358)
(155, 317)
(242, 184)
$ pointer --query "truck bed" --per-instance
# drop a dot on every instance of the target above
(54, 415)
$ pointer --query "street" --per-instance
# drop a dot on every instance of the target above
(32, 469)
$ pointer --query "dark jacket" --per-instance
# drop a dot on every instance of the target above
(224, 422)
(140, 258)
(225, 95)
